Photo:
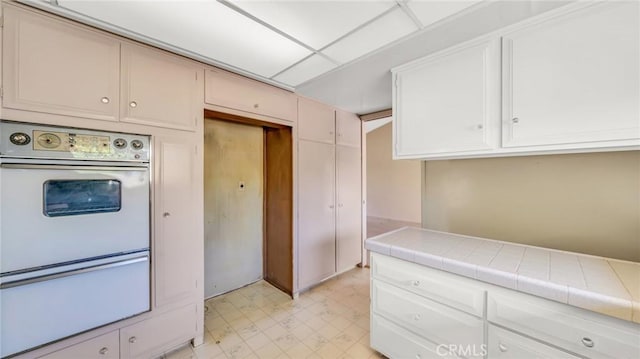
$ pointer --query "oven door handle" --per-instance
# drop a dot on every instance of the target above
(31, 166)
(47, 277)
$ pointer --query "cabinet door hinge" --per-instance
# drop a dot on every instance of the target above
(2, 21)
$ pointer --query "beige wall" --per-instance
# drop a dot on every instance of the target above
(393, 187)
(588, 203)
(232, 215)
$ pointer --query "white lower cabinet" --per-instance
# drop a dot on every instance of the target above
(586, 333)
(432, 320)
(151, 337)
(421, 312)
(106, 346)
(505, 344)
(396, 342)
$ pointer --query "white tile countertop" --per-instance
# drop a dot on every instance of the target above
(603, 285)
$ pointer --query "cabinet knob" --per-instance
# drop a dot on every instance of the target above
(331, 132)
(105, 100)
(588, 342)
(416, 317)
(166, 214)
(340, 205)
(133, 104)
(503, 348)
(133, 340)
(331, 206)
(480, 127)
(255, 105)
(415, 283)
(418, 356)
(103, 351)
(515, 120)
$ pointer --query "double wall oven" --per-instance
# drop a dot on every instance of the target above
(74, 232)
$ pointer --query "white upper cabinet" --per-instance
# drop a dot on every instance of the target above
(54, 66)
(316, 121)
(348, 129)
(447, 103)
(574, 79)
(564, 81)
(236, 92)
(160, 89)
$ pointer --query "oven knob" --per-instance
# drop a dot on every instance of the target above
(19, 138)
(120, 143)
(137, 144)
(49, 140)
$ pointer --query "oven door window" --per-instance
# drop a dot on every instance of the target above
(76, 197)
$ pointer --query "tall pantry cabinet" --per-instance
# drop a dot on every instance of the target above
(329, 188)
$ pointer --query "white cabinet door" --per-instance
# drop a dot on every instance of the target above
(316, 121)
(396, 342)
(448, 102)
(574, 79)
(505, 344)
(434, 321)
(175, 249)
(316, 212)
(106, 346)
(579, 331)
(57, 67)
(349, 211)
(348, 129)
(151, 337)
(159, 89)
(240, 93)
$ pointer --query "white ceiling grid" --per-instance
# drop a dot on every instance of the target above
(286, 41)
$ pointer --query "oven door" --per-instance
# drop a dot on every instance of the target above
(46, 305)
(57, 214)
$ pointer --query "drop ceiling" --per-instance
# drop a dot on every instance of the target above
(288, 43)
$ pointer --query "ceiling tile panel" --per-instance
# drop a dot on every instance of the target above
(315, 22)
(392, 26)
(432, 11)
(205, 27)
(309, 68)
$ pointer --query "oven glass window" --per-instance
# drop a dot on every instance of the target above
(75, 197)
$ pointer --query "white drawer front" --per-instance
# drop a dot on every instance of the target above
(577, 330)
(506, 344)
(433, 321)
(106, 346)
(443, 287)
(395, 342)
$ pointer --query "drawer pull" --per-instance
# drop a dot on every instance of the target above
(105, 100)
(588, 342)
(132, 340)
(103, 351)
(416, 317)
(503, 348)
(415, 283)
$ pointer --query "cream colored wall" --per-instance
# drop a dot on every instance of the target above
(232, 215)
(393, 187)
(588, 203)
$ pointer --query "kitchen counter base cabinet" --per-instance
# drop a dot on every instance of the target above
(395, 342)
(505, 344)
(154, 336)
(106, 346)
(574, 329)
(416, 309)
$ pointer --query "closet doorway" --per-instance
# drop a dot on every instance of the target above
(248, 204)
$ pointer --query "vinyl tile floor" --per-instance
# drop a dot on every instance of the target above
(329, 321)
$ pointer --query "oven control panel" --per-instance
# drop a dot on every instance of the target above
(36, 141)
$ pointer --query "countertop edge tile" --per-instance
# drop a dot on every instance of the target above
(417, 252)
